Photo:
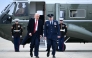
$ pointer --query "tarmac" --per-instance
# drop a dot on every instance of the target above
(73, 50)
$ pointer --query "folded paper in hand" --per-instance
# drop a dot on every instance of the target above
(62, 30)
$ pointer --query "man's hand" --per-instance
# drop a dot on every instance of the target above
(40, 36)
(65, 36)
(20, 36)
(45, 38)
(58, 36)
(12, 36)
(30, 34)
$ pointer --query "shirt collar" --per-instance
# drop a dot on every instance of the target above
(35, 20)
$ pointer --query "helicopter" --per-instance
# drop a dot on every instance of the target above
(77, 16)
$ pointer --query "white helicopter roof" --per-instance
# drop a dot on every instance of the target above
(61, 1)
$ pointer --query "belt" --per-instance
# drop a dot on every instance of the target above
(16, 30)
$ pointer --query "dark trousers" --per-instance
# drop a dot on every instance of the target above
(61, 44)
(16, 43)
(53, 44)
(35, 44)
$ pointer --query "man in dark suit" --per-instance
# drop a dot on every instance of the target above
(35, 30)
(51, 33)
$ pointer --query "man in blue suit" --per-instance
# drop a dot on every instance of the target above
(51, 33)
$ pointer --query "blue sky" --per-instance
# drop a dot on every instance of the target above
(4, 3)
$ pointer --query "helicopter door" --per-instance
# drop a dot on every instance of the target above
(40, 8)
(6, 14)
(60, 12)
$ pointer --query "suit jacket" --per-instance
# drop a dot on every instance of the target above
(26, 40)
(31, 25)
(51, 31)
(30, 29)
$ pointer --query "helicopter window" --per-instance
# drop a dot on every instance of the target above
(40, 12)
(62, 14)
(22, 9)
(79, 13)
(11, 9)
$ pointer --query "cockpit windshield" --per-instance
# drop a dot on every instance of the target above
(9, 9)
(21, 9)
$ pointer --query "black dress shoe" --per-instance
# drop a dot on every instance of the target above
(31, 54)
(53, 56)
(46, 49)
(17, 51)
(48, 54)
(37, 57)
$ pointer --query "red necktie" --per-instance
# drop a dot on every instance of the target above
(35, 26)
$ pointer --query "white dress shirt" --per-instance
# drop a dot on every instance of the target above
(36, 25)
(51, 22)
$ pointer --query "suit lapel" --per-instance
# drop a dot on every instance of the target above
(34, 21)
(33, 24)
(38, 23)
(53, 22)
